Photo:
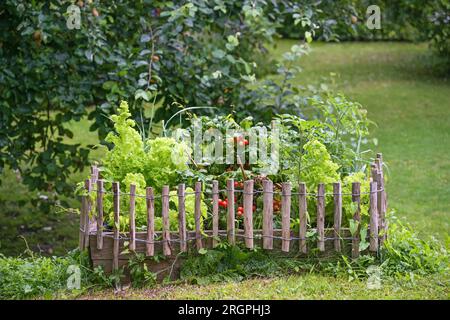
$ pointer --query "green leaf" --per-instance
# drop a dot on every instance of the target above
(108, 85)
(219, 54)
(353, 226)
(308, 36)
(141, 94)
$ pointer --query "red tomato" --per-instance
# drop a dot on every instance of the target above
(225, 203)
(240, 213)
(246, 142)
(240, 209)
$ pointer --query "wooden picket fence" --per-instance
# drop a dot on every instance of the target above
(107, 248)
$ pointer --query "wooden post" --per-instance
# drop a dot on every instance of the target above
(321, 216)
(82, 221)
(132, 245)
(248, 213)
(215, 212)
(268, 214)
(94, 176)
(337, 190)
(100, 214)
(198, 215)
(87, 218)
(384, 195)
(373, 246)
(302, 208)
(381, 197)
(374, 172)
(182, 217)
(116, 208)
(150, 202)
(286, 216)
(231, 213)
(166, 223)
(356, 198)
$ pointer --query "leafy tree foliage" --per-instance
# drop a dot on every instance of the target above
(191, 53)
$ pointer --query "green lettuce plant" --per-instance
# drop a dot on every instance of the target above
(153, 163)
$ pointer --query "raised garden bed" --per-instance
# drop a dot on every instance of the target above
(112, 249)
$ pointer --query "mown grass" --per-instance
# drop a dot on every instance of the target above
(307, 286)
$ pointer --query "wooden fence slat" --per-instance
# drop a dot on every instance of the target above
(132, 244)
(248, 213)
(321, 216)
(182, 217)
(215, 212)
(87, 217)
(94, 176)
(356, 198)
(198, 215)
(380, 157)
(268, 214)
(82, 222)
(150, 202)
(166, 223)
(100, 192)
(373, 245)
(337, 193)
(230, 212)
(380, 202)
(302, 208)
(384, 197)
(381, 197)
(286, 216)
(94, 179)
(116, 208)
(374, 172)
